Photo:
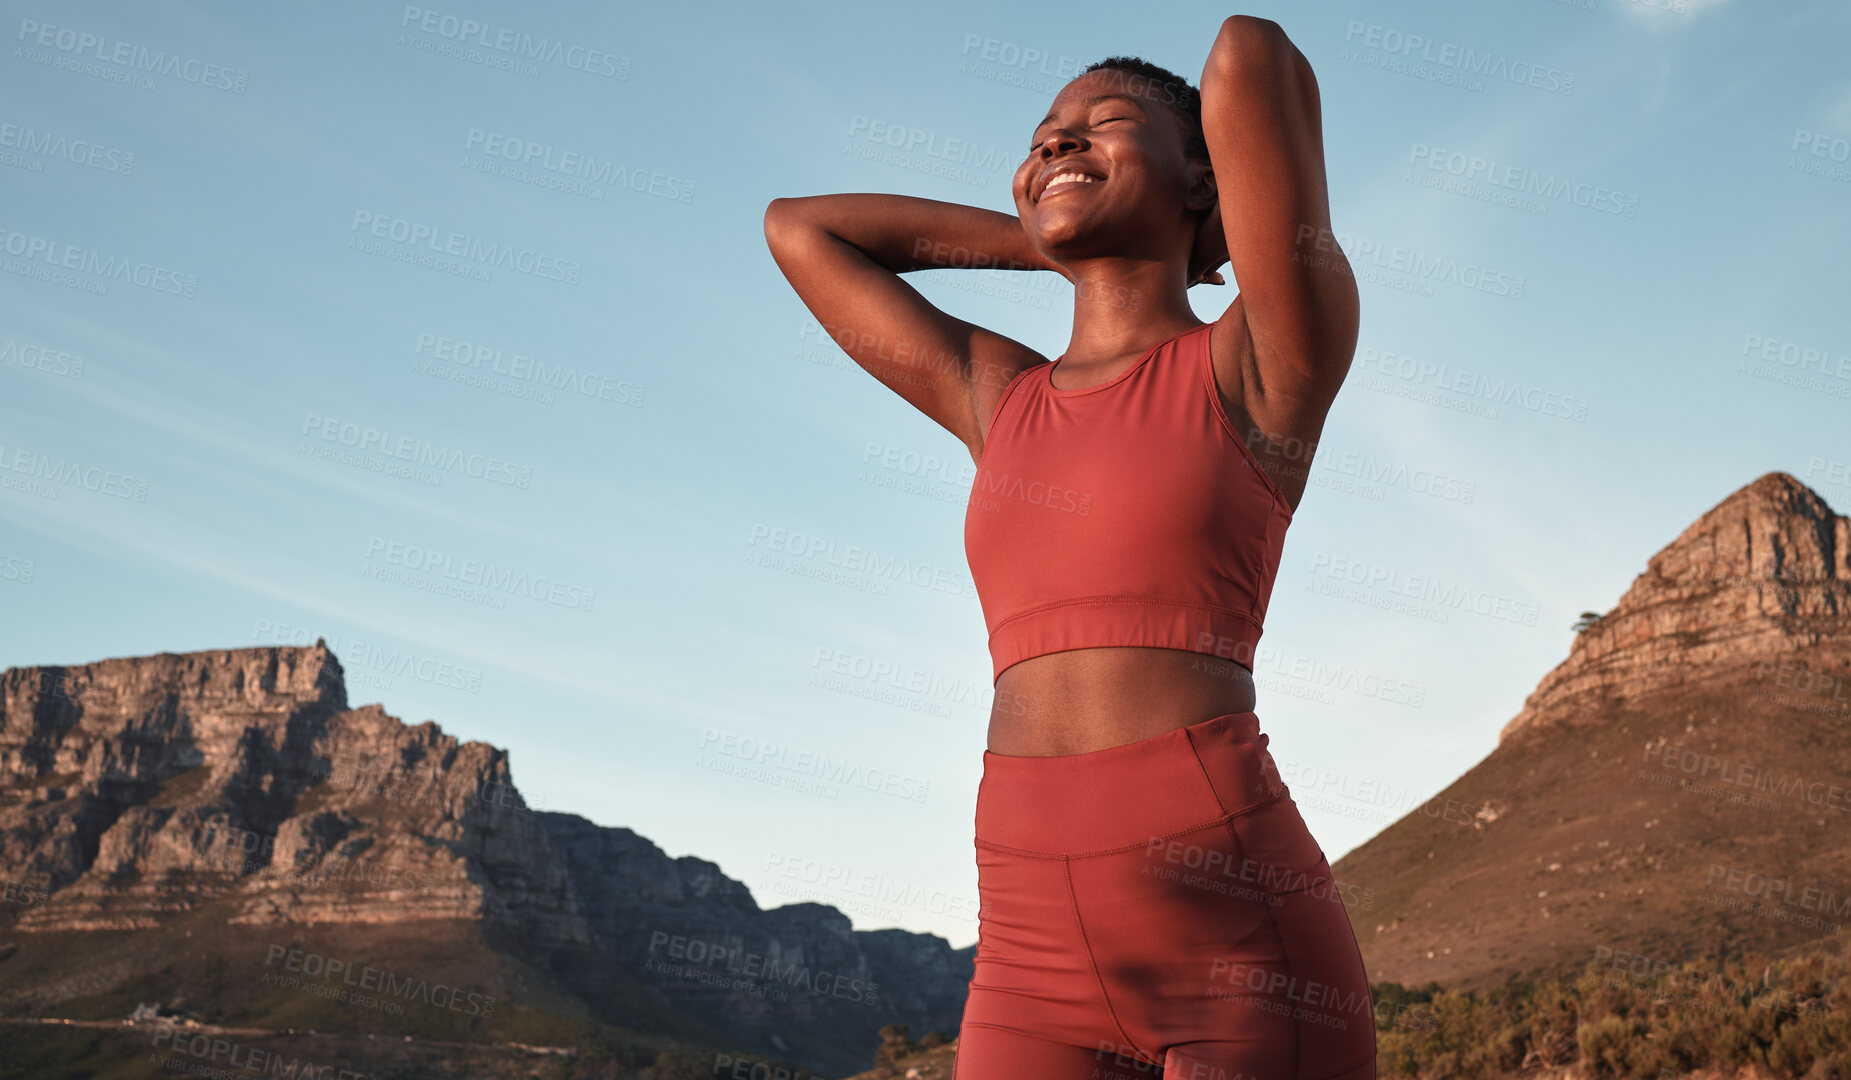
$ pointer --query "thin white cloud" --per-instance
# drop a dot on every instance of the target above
(541, 665)
(1838, 114)
(267, 462)
(1666, 15)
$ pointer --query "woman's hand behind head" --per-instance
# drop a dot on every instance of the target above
(1210, 251)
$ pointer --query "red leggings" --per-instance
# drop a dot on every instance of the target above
(1159, 905)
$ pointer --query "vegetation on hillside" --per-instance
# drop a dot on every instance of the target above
(1785, 1018)
(1780, 1018)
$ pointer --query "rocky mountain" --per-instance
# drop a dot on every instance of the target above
(1679, 784)
(1763, 578)
(236, 796)
(175, 829)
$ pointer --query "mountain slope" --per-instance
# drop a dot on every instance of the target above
(1677, 785)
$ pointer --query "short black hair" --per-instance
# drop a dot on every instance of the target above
(1162, 84)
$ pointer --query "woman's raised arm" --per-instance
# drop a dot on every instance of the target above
(844, 255)
(1293, 327)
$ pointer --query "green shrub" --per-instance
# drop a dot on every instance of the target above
(1788, 1018)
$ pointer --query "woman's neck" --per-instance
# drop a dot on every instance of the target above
(1122, 307)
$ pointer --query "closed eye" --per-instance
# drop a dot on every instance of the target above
(1032, 147)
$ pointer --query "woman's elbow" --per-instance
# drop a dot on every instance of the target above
(780, 217)
(1247, 41)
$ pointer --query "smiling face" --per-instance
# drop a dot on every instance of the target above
(1106, 172)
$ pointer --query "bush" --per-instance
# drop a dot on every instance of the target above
(681, 1065)
(894, 1045)
(1787, 1018)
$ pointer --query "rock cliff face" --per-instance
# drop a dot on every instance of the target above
(712, 950)
(133, 791)
(136, 788)
(1761, 578)
(1674, 787)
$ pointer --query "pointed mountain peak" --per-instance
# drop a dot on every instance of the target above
(1774, 529)
(1761, 577)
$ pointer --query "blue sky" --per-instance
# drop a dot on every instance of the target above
(356, 321)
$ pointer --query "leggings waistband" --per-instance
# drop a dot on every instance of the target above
(1124, 796)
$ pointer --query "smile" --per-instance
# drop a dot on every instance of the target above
(1064, 180)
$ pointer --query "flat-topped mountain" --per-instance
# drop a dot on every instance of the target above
(233, 797)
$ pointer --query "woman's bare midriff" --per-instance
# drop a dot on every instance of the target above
(1081, 700)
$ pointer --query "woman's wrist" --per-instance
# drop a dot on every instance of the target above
(975, 238)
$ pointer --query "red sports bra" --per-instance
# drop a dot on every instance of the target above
(1127, 513)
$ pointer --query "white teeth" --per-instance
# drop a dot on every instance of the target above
(1067, 178)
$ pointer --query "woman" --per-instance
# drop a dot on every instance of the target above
(1150, 896)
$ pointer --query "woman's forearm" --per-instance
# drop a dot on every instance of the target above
(903, 233)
